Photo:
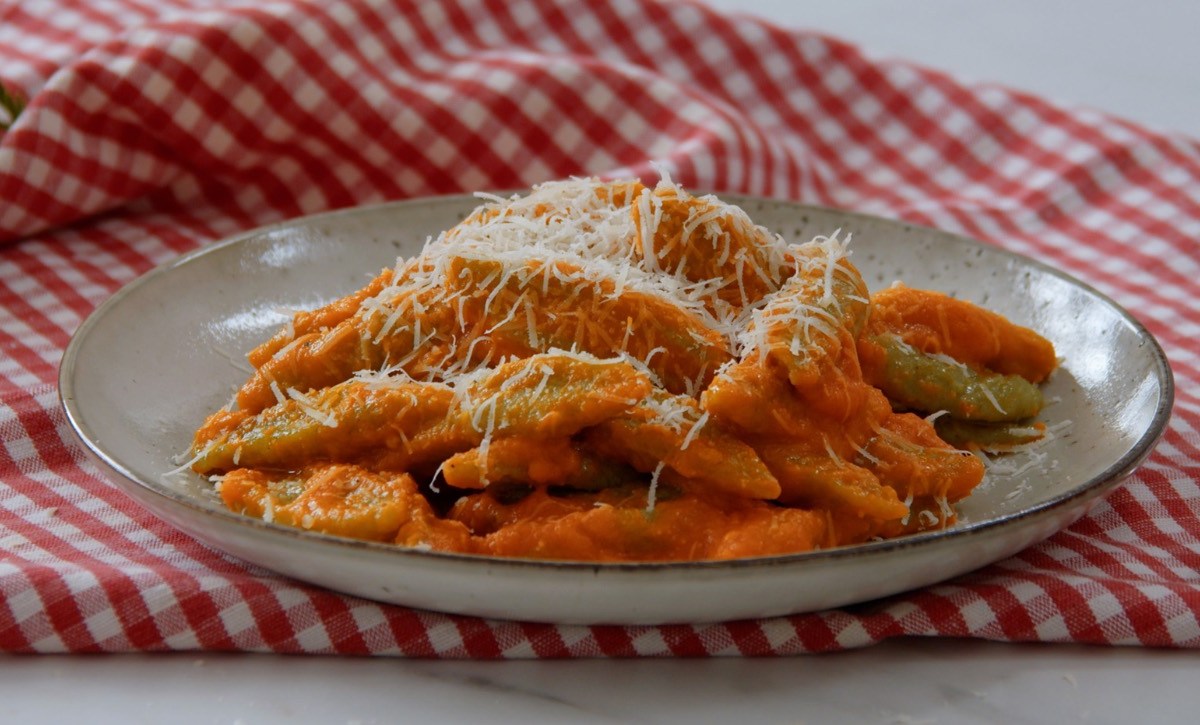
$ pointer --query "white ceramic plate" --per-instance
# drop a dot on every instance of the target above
(146, 368)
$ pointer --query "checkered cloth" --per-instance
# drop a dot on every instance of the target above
(155, 127)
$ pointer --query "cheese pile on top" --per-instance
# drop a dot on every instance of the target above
(651, 274)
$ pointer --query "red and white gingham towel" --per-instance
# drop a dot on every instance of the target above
(153, 128)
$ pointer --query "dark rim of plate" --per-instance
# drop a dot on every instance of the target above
(1094, 487)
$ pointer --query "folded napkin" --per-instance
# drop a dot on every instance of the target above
(153, 128)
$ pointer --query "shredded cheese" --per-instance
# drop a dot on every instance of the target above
(652, 494)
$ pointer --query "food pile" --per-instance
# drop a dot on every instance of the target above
(607, 371)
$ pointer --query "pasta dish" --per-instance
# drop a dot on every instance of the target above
(612, 371)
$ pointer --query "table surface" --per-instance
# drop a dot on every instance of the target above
(1137, 60)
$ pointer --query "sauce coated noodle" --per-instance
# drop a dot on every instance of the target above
(605, 371)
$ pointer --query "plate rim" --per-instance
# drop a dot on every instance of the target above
(1093, 489)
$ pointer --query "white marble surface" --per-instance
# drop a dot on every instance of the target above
(1136, 59)
(908, 682)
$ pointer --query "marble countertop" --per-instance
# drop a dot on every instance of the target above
(1137, 60)
(909, 682)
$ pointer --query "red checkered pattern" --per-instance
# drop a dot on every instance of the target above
(153, 128)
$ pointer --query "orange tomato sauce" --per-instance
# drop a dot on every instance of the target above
(714, 397)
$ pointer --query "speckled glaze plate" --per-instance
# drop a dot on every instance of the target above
(146, 368)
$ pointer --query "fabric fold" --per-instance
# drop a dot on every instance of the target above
(152, 131)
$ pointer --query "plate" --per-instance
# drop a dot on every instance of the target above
(150, 363)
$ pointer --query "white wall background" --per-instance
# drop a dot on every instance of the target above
(1138, 60)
